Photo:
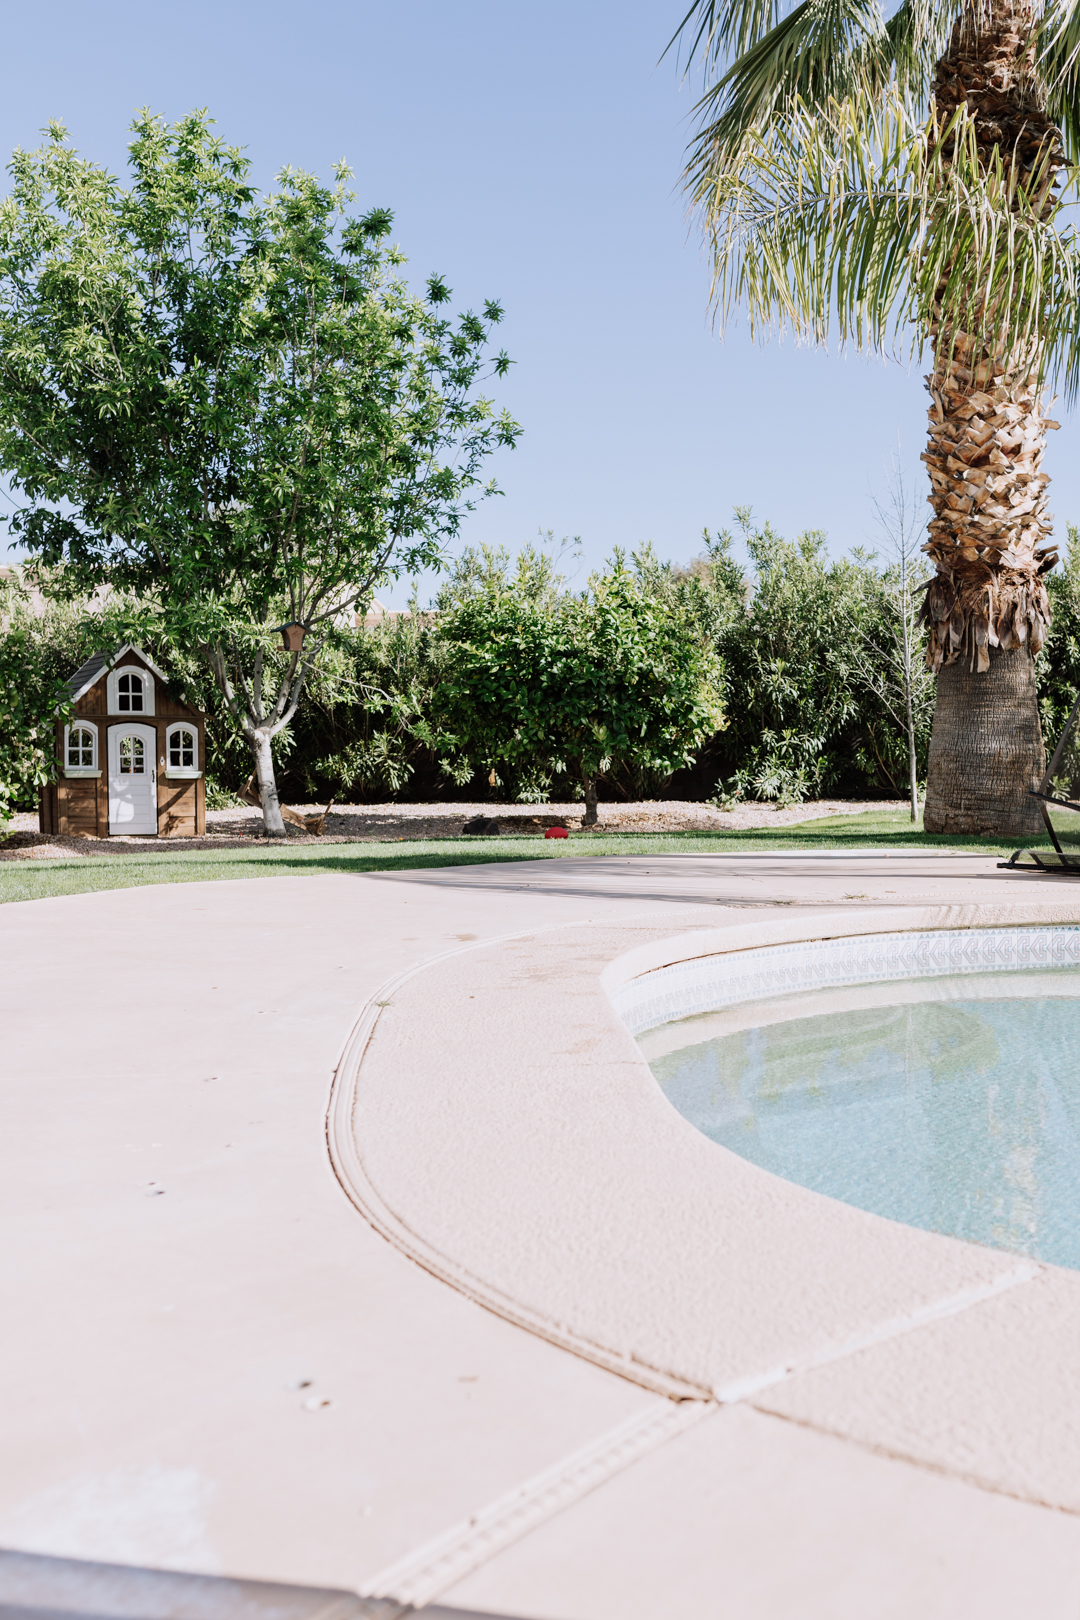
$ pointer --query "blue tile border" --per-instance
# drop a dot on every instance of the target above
(708, 983)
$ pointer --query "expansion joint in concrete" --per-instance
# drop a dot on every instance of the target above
(433, 1568)
(743, 1389)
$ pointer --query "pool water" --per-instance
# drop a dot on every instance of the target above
(958, 1116)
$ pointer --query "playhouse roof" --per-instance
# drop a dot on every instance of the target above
(97, 665)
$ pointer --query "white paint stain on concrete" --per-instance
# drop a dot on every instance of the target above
(140, 1514)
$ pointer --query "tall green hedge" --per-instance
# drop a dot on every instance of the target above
(791, 643)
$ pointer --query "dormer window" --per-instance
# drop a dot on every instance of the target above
(130, 694)
(131, 690)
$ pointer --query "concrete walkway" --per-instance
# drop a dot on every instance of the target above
(214, 1363)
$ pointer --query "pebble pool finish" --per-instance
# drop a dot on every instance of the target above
(945, 1095)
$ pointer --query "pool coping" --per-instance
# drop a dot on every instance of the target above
(776, 972)
(414, 1115)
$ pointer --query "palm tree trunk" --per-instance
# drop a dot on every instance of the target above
(986, 608)
(986, 750)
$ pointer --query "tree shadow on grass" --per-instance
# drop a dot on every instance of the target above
(589, 866)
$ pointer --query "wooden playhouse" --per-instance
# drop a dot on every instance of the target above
(131, 757)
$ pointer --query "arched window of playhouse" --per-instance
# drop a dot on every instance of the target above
(183, 748)
(80, 748)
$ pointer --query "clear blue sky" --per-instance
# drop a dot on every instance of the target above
(531, 153)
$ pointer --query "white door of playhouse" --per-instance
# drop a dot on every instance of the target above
(132, 779)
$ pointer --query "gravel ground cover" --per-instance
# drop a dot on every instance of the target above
(240, 827)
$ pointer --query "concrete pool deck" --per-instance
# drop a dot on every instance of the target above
(695, 1389)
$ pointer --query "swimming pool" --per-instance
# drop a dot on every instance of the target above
(948, 1100)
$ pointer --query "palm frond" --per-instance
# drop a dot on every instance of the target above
(823, 51)
(868, 224)
(812, 233)
(717, 30)
(918, 32)
(1058, 47)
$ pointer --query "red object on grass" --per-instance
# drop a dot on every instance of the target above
(556, 832)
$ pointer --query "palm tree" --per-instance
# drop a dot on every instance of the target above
(902, 180)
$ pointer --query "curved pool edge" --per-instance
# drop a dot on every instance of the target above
(489, 1171)
(351, 1172)
(851, 1103)
(868, 960)
(828, 925)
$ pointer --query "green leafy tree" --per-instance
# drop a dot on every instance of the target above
(545, 684)
(229, 407)
(364, 727)
(796, 702)
(890, 643)
(710, 590)
(1059, 668)
(357, 736)
(32, 698)
(27, 738)
(900, 178)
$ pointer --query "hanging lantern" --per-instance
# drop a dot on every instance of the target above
(292, 635)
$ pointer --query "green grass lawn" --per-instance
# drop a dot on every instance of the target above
(38, 880)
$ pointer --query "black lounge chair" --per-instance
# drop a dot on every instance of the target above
(1060, 862)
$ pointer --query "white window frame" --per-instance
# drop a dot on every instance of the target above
(113, 688)
(182, 773)
(75, 771)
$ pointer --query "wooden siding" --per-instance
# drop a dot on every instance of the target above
(78, 806)
(178, 809)
(47, 822)
(92, 704)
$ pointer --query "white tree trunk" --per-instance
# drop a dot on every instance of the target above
(909, 706)
(259, 743)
